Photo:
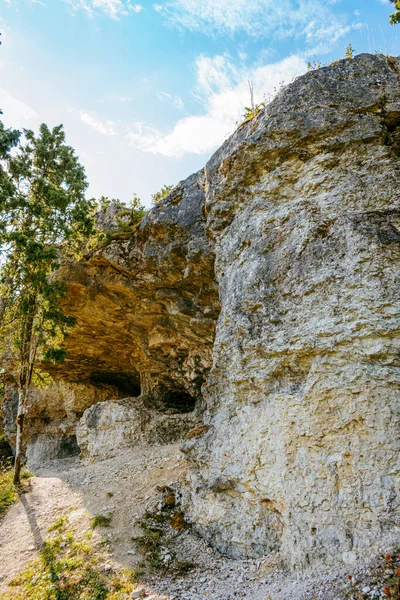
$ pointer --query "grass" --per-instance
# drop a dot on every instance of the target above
(100, 521)
(69, 568)
(8, 491)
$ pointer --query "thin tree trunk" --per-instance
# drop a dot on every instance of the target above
(20, 429)
(27, 360)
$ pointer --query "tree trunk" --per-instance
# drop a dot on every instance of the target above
(27, 360)
(20, 429)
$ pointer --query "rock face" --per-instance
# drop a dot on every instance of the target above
(146, 306)
(107, 429)
(53, 413)
(291, 234)
(300, 457)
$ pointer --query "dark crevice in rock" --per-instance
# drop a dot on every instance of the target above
(68, 447)
(179, 401)
(174, 400)
(126, 384)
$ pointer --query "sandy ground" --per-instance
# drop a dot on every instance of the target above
(124, 487)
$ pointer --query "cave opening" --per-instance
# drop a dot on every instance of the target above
(68, 447)
(126, 384)
(178, 401)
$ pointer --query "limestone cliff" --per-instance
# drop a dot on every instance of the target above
(300, 456)
(277, 266)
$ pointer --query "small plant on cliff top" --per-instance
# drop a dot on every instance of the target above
(129, 218)
(44, 214)
(252, 111)
(349, 51)
(163, 193)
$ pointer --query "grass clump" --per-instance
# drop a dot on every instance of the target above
(69, 569)
(8, 491)
(100, 521)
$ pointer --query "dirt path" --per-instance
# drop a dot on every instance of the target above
(124, 487)
(120, 487)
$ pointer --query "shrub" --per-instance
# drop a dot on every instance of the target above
(163, 193)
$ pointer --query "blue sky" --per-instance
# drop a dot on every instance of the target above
(147, 91)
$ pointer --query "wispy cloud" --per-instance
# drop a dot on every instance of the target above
(256, 18)
(112, 8)
(103, 127)
(223, 90)
(176, 101)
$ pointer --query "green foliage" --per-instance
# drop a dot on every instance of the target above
(130, 217)
(43, 213)
(100, 521)
(44, 218)
(395, 16)
(150, 542)
(163, 193)
(252, 111)
(8, 492)
(41, 379)
(54, 355)
(69, 569)
(349, 51)
(105, 202)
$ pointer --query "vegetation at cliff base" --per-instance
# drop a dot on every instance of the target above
(8, 493)
(8, 490)
(70, 568)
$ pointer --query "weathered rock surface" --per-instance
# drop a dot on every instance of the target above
(146, 307)
(53, 413)
(107, 429)
(300, 456)
(292, 230)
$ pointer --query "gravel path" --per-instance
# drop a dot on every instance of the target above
(124, 487)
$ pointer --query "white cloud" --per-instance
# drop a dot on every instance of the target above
(257, 18)
(158, 7)
(103, 127)
(317, 34)
(176, 101)
(17, 113)
(112, 8)
(224, 91)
